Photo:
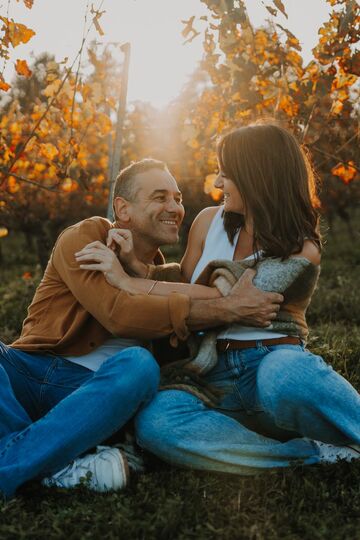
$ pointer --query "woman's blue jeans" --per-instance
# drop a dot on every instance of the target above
(283, 392)
(52, 410)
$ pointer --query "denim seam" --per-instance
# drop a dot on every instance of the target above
(19, 370)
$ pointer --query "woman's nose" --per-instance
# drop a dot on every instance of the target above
(219, 183)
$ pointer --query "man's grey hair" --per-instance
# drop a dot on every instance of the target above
(125, 185)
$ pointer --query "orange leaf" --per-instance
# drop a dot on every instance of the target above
(3, 232)
(17, 33)
(280, 6)
(346, 172)
(3, 85)
(13, 185)
(22, 68)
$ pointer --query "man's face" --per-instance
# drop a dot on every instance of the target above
(156, 211)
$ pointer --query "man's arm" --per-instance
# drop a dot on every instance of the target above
(146, 316)
(245, 304)
(121, 313)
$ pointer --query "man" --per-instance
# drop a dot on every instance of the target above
(67, 382)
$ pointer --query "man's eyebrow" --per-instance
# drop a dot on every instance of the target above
(163, 192)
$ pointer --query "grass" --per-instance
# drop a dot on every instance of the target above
(319, 502)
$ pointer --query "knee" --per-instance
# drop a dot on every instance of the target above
(289, 375)
(155, 427)
(139, 367)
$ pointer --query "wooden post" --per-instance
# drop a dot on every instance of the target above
(115, 157)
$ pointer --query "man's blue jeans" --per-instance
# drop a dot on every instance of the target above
(52, 410)
(283, 392)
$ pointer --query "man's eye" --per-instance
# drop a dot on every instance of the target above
(160, 198)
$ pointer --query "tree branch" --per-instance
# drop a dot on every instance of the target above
(32, 182)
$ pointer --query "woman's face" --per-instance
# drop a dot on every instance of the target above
(233, 201)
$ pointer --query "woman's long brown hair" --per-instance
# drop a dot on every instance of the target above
(275, 179)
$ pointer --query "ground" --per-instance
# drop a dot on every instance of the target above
(318, 502)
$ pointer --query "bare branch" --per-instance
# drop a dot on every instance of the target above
(32, 182)
(78, 71)
(334, 157)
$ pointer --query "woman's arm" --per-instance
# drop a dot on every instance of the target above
(196, 241)
(122, 239)
(96, 256)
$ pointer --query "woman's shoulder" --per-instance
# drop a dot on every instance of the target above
(205, 217)
(311, 252)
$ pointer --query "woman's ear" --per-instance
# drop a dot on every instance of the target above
(121, 210)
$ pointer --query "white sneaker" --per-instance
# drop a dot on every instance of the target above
(330, 453)
(104, 471)
(133, 457)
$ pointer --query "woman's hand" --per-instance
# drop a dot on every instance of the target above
(121, 241)
(96, 256)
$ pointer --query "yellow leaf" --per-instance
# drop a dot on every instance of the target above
(97, 15)
(22, 68)
(52, 88)
(48, 150)
(69, 185)
(3, 232)
(337, 107)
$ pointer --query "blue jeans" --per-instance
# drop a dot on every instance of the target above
(52, 410)
(283, 392)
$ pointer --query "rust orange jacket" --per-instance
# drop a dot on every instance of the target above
(74, 311)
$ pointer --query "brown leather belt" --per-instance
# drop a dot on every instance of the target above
(223, 345)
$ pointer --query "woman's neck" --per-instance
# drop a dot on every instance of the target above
(245, 243)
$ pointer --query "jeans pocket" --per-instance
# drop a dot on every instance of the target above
(246, 382)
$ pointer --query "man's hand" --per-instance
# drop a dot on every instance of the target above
(249, 305)
(245, 304)
(121, 241)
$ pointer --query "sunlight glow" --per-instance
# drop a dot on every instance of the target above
(160, 62)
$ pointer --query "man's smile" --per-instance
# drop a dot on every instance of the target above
(169, 222)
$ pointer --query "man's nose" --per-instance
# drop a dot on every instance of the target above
(172, 206)
(219, 183)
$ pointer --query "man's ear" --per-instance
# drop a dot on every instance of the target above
(121, 208)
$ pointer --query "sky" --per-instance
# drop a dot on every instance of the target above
(160, 63)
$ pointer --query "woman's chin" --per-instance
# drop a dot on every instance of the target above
(228, 207)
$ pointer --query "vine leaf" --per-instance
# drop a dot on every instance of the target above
(22, 68)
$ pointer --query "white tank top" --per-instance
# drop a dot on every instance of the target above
(218, 246)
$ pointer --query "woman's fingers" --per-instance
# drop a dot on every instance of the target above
(101, 267)
(118, 236)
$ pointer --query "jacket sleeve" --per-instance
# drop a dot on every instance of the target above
(166, 272)
(121, 313)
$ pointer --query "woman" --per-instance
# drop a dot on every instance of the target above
(269, 382)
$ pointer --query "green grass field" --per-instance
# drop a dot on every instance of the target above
(318, 502)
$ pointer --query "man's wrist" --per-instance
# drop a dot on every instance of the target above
(209, 313)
